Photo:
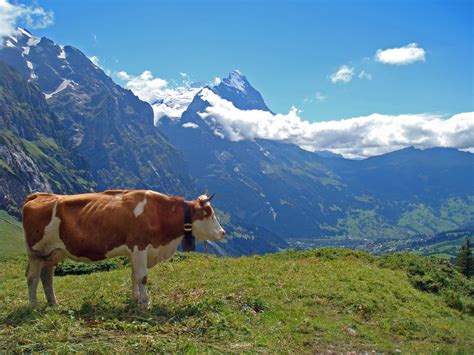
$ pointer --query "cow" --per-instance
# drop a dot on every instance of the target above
(143, 225)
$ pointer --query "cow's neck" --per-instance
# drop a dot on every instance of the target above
(174, 221)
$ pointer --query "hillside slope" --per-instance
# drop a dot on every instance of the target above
(316, 301)
(34, 155)
(11, 236)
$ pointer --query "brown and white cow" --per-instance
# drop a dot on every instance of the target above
(145, 226)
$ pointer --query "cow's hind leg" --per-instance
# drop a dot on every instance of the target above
(33, 272)
(47, 280)
(140, 272)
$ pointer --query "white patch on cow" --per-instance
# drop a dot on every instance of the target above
(163, 252)
(118, 197)
(51, 244)
(50, 240)
(140, 207)
(122, 250)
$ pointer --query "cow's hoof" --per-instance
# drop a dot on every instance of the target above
(144, 305)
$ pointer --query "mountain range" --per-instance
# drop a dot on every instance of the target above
(67, 127)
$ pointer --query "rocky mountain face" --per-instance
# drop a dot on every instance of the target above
(108, 125)
(34, 154)
(303, 195)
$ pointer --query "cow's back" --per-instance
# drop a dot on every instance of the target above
(85, 226)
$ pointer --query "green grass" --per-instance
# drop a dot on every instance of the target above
(313, 301)
(11, 236)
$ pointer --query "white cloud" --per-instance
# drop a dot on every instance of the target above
(94, 59)
(344, 74)
(320, 97)
(398, 56)
(33, 17)
(356, 137)
(165, 100)
(364, 75)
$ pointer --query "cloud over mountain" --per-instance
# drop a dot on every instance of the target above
(356, 137)
(165, 100)
(32, 16)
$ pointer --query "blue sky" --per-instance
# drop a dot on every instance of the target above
(287, 49)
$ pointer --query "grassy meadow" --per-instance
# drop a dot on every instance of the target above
(314, 301)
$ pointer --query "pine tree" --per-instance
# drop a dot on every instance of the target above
(465, 261)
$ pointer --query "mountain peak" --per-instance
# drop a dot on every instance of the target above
(237, 89)
(236, 80)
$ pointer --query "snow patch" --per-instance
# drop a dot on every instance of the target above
(9, 44)
(274, 214)
(235, 80)
(62, 53)
(33, 41)
(24, 32)
(60, 88)
(190, 125)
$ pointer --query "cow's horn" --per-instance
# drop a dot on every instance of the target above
(209, 198)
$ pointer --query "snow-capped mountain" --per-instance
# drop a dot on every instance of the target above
(226, 138)
(237, 89)
(297, 193)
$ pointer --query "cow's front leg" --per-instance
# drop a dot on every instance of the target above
(135, 291)
(139, 275)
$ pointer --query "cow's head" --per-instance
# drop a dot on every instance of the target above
(205, 223)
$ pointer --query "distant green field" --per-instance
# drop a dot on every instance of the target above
(293, 302)
(11, 236)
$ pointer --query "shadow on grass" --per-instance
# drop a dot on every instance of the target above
(156, 314)
(22, 315)
(130, 312)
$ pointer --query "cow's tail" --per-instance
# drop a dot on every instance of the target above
(35, 195)
(31, 197)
